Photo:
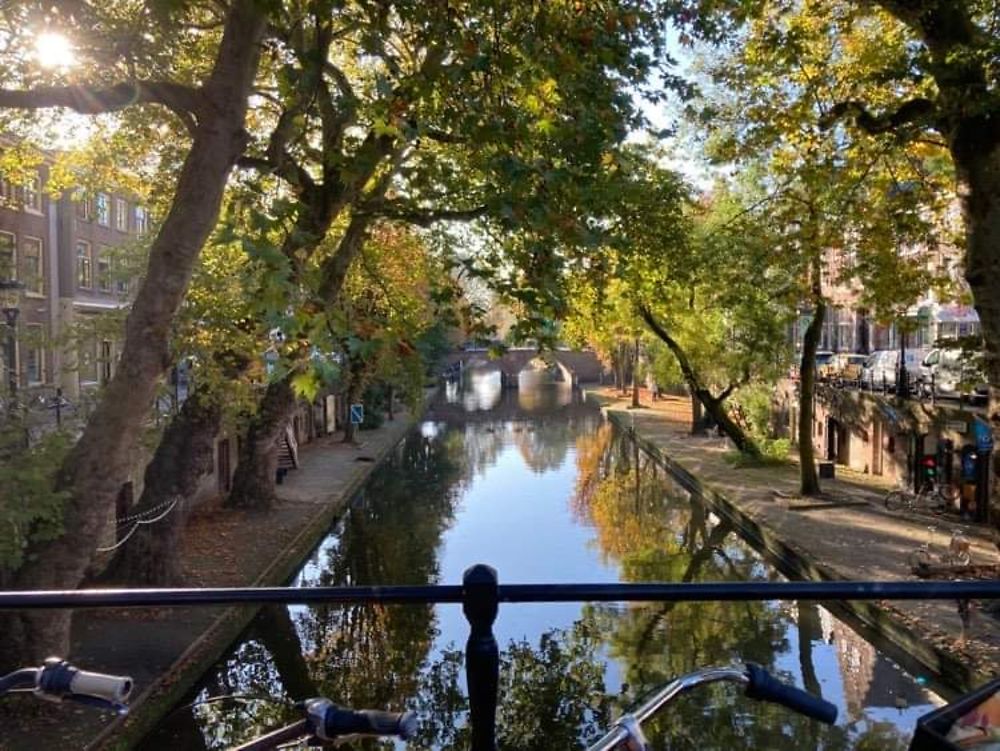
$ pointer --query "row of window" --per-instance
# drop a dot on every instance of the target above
(105, 272)
(28, 196)
(31, 348)
(95, 362)
(24, 261)
(102, 208)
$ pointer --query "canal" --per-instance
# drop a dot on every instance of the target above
(535, 483)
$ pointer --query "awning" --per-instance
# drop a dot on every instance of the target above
(957, 314)
(952, 313)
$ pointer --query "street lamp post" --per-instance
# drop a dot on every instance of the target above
(9, 293)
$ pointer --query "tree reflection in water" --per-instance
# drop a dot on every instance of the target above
(557, 692)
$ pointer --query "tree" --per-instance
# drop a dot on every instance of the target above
(832, 200)
(910, 77)
(421, 116)
(697, 278)
(214, 111)
(216, 334)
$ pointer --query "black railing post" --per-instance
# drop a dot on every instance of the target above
(482, 657)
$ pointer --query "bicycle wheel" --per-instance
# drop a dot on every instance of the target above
(927, 500)
(949, 493)
(919, 558)
(895, 500)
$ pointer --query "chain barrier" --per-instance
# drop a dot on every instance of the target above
(139, 523)
(142, 514)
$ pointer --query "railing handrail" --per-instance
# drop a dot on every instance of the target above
(508, 593)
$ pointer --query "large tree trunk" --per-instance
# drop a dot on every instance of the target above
(714, 405)
(151, 557)
(274, 627)
(980, 180)
(697, 415)
(100, 461)
(254, 478)
(808, 477)
(635, 374)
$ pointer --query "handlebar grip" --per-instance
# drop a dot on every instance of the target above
(58, 679)
(331, 721)
(765, 687)
(403, 724)
(112, 688)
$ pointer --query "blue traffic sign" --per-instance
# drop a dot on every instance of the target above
(357, 414)
(984, 436)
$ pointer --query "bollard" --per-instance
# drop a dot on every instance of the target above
(59, 407)
(482, 657)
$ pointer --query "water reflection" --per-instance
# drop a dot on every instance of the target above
(546, 492)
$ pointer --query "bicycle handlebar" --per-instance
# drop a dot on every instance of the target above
(331, 721)
(327, 722)
(759, 685)
(57, 680)
(765, 687)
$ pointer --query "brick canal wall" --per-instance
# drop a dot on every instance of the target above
(851, 537)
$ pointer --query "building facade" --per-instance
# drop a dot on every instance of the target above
(66, 252)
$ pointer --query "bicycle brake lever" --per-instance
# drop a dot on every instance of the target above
(93, 701)
(636, 739)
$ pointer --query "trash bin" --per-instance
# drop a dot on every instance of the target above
(826, 470)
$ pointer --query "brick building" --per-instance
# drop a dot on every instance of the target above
(67, 253)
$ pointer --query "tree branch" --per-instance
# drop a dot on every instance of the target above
(422, 218)
(913, 111)
(88, 100)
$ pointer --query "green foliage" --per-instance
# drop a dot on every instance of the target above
(773, 453)
(374, 400)
(30, 509)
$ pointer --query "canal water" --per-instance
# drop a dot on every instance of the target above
(535, 483)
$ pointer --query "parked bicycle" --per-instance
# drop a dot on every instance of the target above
(932, 496)
(958, 552)
(323, 722)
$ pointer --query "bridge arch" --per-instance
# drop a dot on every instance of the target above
(577, 366)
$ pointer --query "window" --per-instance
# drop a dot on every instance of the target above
(121, 215)
(103, 205)
(8, 256)
(105, 361)
(32, 266)
(141, 220)
(33, 195)
(84, 268)
(103, 275)
(34, 354)
(85, 208)
(6, 192)
(87, 359)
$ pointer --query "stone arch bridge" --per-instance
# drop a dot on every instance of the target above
(577, 366)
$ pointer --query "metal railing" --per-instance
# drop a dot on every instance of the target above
(481, 594)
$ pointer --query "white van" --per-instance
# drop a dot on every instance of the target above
(952, 371)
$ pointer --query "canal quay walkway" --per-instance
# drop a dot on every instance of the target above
(848, 534)
(167, 650)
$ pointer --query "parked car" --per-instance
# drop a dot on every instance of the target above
(846, 367)
(952, 371)
(824, 360)
(884, 363)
